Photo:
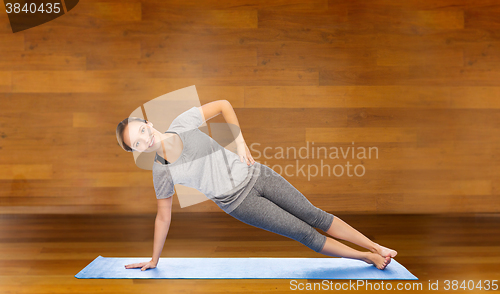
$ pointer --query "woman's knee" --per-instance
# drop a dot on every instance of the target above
(326, 222)
(318, 218)
(312, 239)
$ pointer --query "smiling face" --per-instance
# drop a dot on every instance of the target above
(141, 137)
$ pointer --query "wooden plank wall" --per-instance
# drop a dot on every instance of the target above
(417, 80)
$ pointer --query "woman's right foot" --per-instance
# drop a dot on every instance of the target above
(384, 251)
(377, 260)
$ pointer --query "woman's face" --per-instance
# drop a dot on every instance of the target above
(141, 137)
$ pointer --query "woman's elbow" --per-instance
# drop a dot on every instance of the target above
(163, 218)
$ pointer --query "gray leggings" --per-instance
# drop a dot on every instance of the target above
(273, 204)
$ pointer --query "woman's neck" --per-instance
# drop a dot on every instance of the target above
(166, 143)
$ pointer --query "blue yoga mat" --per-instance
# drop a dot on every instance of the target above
(243, 268)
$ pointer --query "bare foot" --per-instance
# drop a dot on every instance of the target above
(384, 251)
(377, 260)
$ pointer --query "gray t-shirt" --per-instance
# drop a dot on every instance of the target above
(205, 166)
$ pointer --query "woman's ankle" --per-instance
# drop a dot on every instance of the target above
(375, 248)
(366, 256)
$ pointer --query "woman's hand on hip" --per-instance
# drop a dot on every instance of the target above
(244, 153)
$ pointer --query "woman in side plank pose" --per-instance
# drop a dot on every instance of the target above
(248, 191)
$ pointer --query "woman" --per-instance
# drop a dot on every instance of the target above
(248, 191)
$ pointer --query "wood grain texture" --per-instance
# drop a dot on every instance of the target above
(37, 258)
(418, 80)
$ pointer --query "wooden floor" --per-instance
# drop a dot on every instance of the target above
(419, 79)
(41, 254)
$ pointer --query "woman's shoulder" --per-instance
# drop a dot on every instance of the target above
(189, 119)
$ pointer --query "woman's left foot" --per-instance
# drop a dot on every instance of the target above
(384, 251)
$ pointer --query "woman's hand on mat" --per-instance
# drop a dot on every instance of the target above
(244, 153)
(143, 265)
